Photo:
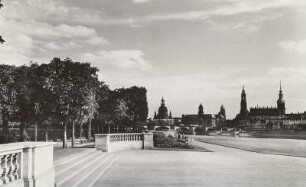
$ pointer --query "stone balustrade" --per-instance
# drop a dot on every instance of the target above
(27, 164)
(10, 167)
(124, 141)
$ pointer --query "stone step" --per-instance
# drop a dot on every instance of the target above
(87, 173)
(73, 157)
(61, 169)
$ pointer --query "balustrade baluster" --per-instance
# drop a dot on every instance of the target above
(6, 168)
(16, 166)
(2, 168)
(10, 167)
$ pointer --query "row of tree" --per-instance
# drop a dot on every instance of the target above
(64, 92)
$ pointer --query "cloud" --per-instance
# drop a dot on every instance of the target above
(50, 10)
(249, 25)
(17, 51)
(294, 46)
(118, 59)
(141, 1)
(235, 8)
(96, 40)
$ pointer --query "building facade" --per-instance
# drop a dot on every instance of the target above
(267, 118)
(205, 121)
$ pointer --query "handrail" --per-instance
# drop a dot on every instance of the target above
(10, 164)
(23, 161)
(125, 137)
(115, 142)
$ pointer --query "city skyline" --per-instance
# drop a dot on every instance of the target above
(189, 52)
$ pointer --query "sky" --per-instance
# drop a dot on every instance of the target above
(187, 51)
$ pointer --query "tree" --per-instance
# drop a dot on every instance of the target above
(105, 106)
(121, 114)
(59, 85)
(7, 96)
(28, 100)
(73, 86)
(137, 105)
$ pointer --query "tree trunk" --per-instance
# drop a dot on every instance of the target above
(5, 128)
(46, 136)
(81, 129)
(23, 133)
(73, 133)
(35, 132)
(89, 129)
(64, 134)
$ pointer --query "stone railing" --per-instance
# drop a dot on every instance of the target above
(27, 164)
(125, 141)
(10, 167)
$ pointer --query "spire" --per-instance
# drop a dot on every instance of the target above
(281, 102)
(243, 103)
(162, 100)
(170, 114)
(222, 111)
(201, 110)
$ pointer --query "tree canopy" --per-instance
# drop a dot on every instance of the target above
(64, 92)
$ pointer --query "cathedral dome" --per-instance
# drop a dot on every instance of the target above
(162, 110)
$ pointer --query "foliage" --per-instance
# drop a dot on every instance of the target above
(136, 100)
(63, 92)
(163, 141)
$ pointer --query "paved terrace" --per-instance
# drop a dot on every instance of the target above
(219, 167)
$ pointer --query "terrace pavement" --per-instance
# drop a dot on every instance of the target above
(222, 166)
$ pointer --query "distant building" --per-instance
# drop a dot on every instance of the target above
(205, 121)
(163, 119)
(267, 117)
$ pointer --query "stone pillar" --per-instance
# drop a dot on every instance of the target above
(148, 141)
(102, 142)
(27, 166)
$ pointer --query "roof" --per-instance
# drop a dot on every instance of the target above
(264, 111)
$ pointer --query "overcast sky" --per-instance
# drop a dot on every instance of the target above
(189, 51)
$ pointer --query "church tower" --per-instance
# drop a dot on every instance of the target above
(222, 111)
(201, 110)
(162, 110)
(243, 104)
(281, 102)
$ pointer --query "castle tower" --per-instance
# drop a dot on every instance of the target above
(201, 110)
(243, 104)
(281, 102)
(222, 111)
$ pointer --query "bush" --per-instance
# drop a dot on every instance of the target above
(160, 140)
(8, 138)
